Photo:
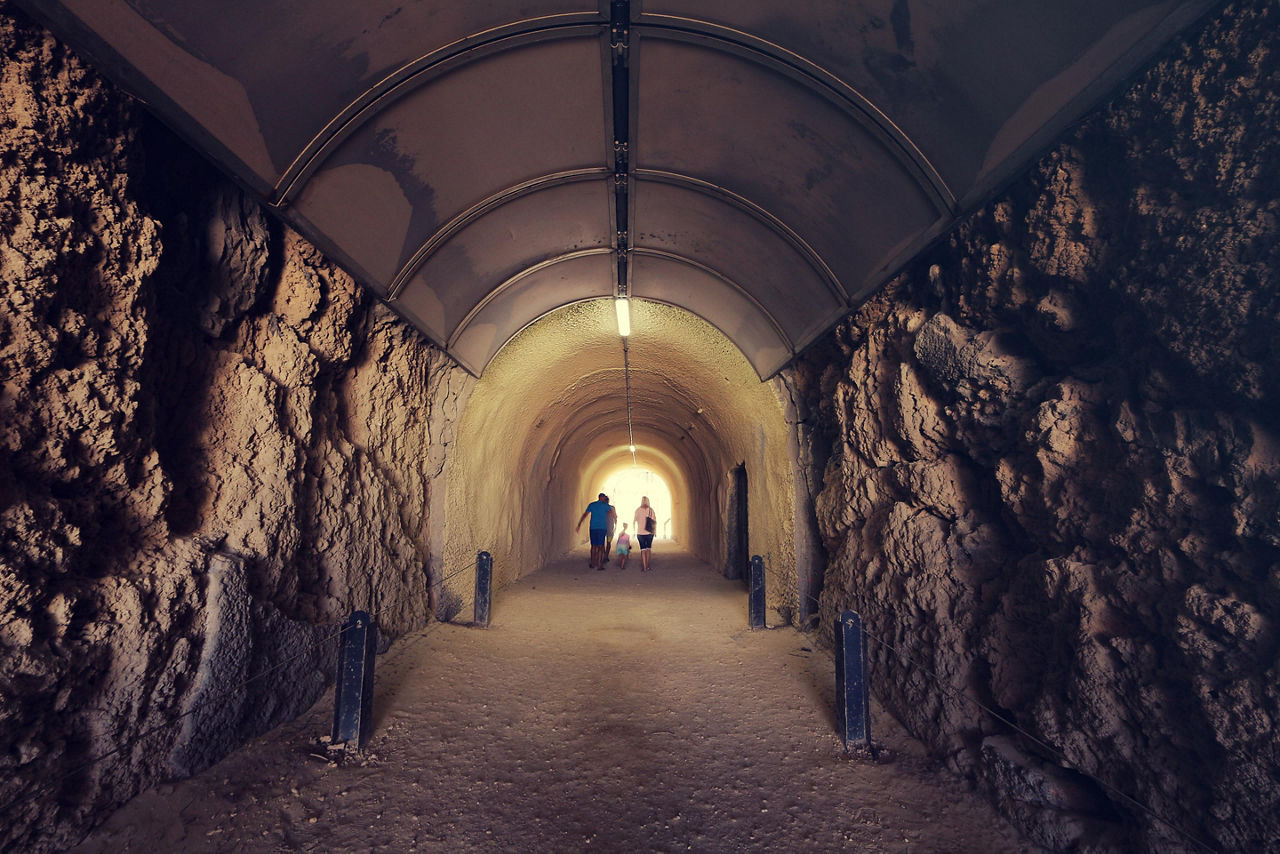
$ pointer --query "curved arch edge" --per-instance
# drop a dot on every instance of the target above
(765, 374)
(817, 79)
(417, 73)
(759, 213)
(513, 281)
(459, 222)
(724, 279)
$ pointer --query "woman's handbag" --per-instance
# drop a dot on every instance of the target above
(650, 524)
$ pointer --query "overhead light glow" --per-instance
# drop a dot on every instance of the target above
(633, 449)
(622, 304)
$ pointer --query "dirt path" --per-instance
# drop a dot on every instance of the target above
(608, 711)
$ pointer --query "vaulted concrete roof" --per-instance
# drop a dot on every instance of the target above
(479, 164)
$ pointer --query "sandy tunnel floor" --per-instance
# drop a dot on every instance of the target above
(608, 711)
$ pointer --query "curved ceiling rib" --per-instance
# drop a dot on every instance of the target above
(766, 164)
(418, 73)
(757, 333)
(522, 33)
(766, 358)
(515, 280)
(459, 223)
(459, 330)
(577, 279)
(479, 369)
(728, 282)
(759, 213)
(815, 78)
(479, 209)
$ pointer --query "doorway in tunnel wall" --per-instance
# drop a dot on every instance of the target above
(625, 488)
(738, 546)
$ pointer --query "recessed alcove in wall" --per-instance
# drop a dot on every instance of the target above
(545, 428)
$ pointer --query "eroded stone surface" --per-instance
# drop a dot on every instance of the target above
(1053, 475)
(1052, 448)
(195, 404)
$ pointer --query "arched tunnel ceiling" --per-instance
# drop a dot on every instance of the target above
(478, 164)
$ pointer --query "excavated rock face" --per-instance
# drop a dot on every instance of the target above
(1053, 482)
(212, 448)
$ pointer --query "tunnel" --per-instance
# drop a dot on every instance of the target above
(957, 317)
(559, 409)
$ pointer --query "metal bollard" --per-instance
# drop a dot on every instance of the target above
(353, 692)
(484, 588)
(755, 595)
(853, 705)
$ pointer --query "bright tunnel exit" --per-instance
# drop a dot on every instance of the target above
(626, 486)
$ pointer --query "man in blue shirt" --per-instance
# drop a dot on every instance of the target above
(603, 517)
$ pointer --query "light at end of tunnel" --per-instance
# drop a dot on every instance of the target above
(623, 306)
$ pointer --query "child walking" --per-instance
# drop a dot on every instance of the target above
(623, 550)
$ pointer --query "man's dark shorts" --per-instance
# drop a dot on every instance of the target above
(646, 541)
(598, 535)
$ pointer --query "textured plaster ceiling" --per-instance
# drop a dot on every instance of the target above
(478, 164)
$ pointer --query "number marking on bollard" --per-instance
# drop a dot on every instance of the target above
(353, 692)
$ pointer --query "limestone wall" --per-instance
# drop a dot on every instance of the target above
(1053, 468)
(212, 448)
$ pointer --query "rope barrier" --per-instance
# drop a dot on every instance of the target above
(1058, 755)
(53, 785)
(471, 567)
(421, 636)
(147, 733)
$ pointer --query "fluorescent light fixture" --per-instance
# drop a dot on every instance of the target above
(622, 304)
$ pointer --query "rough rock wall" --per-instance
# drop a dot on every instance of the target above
(1055, 445)
(212, 448)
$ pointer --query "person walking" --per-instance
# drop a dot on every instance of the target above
(624, 547)
(608, 538)
(646, 523)
(600, 513)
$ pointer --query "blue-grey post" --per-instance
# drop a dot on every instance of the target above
(755, 595)
(853, 706)
(484, 588)
(353, 692)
